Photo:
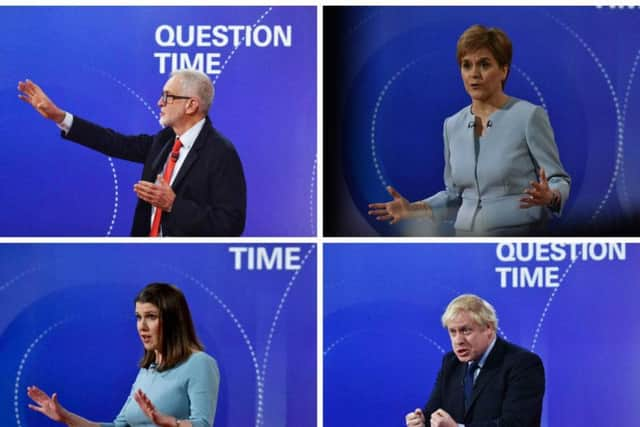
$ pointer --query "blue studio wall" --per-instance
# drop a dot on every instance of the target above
(574, 304)
(391, 78)
(108, 65)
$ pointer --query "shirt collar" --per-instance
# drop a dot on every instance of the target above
(189, 137)
(483, 359)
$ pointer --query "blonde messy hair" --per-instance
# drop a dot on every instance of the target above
(480, 310)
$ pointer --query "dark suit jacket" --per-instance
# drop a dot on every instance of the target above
(210, 187)
(507, 392)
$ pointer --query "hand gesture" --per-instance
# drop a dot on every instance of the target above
(150, 411)
(440, 418)
(33, 95)
(48, 406)
(415, 418)
(159, 194)
(539, 193)
(395, 210)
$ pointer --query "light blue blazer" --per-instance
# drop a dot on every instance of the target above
(485, 177)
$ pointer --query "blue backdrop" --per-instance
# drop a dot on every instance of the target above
(383, 341)
(98, 63)
(391, 78)
(67, 324)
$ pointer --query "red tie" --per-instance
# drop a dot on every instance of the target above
(168, 171)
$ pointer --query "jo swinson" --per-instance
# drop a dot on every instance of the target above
(502, 172)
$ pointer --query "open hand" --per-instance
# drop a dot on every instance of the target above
(48, 406)
(150, 410)
(539, 193)
(33, 95)
(159, 194)
(395, 210)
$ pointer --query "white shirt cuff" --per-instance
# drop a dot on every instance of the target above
(66, 123)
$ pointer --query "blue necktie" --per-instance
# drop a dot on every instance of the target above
(468, 383)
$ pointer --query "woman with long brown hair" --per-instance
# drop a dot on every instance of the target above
(177, 385)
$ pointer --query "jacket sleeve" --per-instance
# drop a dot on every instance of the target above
(109, 142)
(435, 399)
(544, 154)
(445, 204)
(202, 389)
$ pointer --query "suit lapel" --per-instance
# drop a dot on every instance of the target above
(488, 371)
(161, 158)
(194, 153)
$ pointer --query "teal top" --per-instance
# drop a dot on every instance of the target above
(188, 391)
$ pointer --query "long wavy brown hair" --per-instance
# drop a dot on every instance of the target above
(179, 339)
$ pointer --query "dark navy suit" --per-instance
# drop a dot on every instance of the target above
(210, 186)
(507, 392)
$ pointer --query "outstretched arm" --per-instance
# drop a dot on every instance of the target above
(133, 148)
(554, 181)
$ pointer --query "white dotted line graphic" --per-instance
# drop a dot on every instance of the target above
(115, 196)
(618, 7)
(435, 344)
(17, 389)
(625, 104)
(150, 107)
(226, 61)
(501, 331)
(532, 83)
(339, 341)
(10, 282)
(381, 96)
(550, 301)
(345, 337)
(231, 315)
(619, 128)
(361, 23)
(272, 330)
(312, 187)
(630, 83)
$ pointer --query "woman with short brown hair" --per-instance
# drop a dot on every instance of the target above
(502, 174)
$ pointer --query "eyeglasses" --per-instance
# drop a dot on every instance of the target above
(167, 98)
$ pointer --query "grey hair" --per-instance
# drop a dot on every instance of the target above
(479, 309)
(196, 83)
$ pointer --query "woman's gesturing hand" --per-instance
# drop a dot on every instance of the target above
(150, 411)
(398, 208)
(539, 194)
(395, 210)
(48, 406)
